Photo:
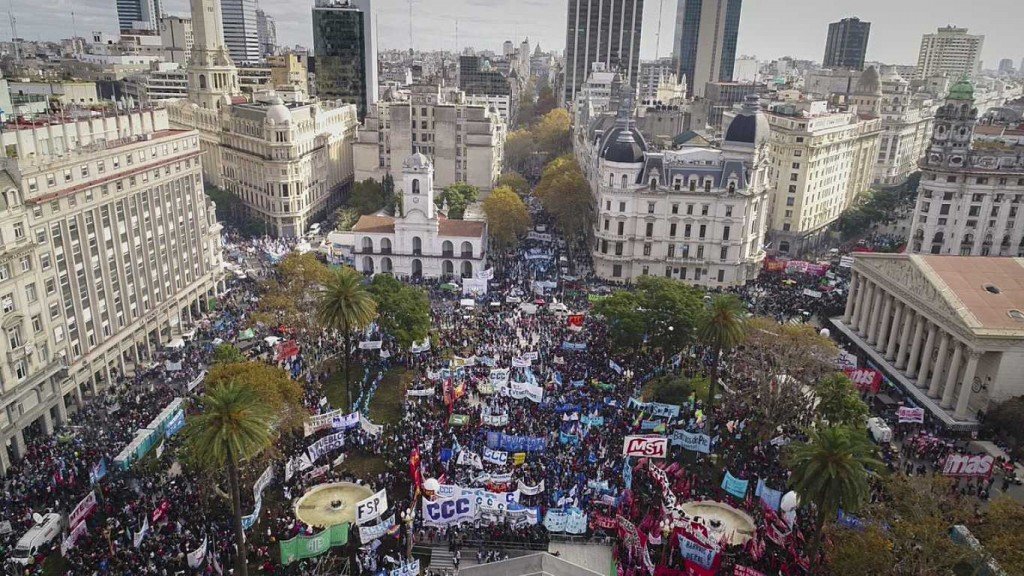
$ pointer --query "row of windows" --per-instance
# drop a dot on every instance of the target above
(652, 208)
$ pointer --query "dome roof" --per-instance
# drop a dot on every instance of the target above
(869, 83)
(624, 146)
(416, 161)
(278, 113)
(749, 126)
(962, 90)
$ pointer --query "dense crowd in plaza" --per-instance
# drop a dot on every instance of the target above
(518, 402)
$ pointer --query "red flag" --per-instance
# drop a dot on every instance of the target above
(575, 321)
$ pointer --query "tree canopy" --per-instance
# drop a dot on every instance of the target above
(272, 384)
(370, 196)
(515, 181)
(458, 197)
(404, 311)
(565, 194)
(290, 294)
(839, 402)
(661, 311)
(507, 217)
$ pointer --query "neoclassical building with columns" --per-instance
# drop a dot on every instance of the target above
(949, 329)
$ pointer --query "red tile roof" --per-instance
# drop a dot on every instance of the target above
(375, 224)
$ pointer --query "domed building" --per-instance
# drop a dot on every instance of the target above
(419, 242)
(697, 213)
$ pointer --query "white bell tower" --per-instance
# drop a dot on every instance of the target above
(418, 186)
(212, 76)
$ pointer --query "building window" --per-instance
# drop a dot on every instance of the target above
(703, 231)
(617, 271)
(689, 209)
(725, 253)
(675, 208)
(672, 230)
(618, 248)
(650, 230)
(725, 232)
(721, 275)
(622, 226)
(650, 207)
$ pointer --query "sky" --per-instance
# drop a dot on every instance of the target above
(768, 28)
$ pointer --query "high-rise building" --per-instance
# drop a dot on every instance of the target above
(705, 41)
(138, 14)
(266, 31)
(969, 199)
(951, 51)
(847, 43)
(176, 38)
(346, 52)
(597, 33)
(241, 31)
(1006, 66)
(485, 85)
(111, 251)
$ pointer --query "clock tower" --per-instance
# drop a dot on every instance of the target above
(953, 127)
(418, 186)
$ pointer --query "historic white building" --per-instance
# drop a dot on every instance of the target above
(698, 213)
(288, 161)
(420, 241)
(108, 249)
(972, 185)
(948, 329)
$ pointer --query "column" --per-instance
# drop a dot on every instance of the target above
(951, 377)
(894, 332)
(964, 398)
(850, 298)
(18, 445)
(62, 409)
(858, 307)
(4, 464)
(883, 324)
(864, 306)
(78, 396)
(940, 364)
(915, 348)
(876, 311)
(908, 327)
(926, 357)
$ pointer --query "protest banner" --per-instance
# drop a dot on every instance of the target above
(368, 534)
(968, 466)
(446, 512)
(866, 379)
(645, 446)
(302, 547)
(372, 507)
(692, 441)
(912, 415)
(82, 510)
(196, 557)
(495, 457)
(326, 445)
(734, 485)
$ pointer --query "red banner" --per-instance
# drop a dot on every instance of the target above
(575, 321)
(161, 511)
(744, 571)
(968, 466)
(772, 265)
(866, 379)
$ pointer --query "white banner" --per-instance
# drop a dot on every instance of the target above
(372, 507)
(811, 293)
(521, 362)
(371, 345)
(449, 511)
(467, 458)
(333, 419)
(522, 390)
(368, 534)
(326, 445)
(369, 427)
(495, 457)
(538, 236)
(84, 507)
(262, 482)
(420, 347)
(475, 286)
(76, 532)
(485, 274)
(846, 262)
(410, 569)
(496, 420)
(645, 446)
(531, 490)
(425, 392)
(911, 415)
(534, 355)
(195, 557)
(499, 376)
(847, 360)
(141, 534)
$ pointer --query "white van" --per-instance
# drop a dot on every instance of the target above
(879, 430)
(558, 308)
(36, 540)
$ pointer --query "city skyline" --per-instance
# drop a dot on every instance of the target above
(483, 27)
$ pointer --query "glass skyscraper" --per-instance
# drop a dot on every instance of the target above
(602, 31)
(705, 41)
(847, 43)
(346, 52)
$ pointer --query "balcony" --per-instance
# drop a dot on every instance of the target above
(467, 254)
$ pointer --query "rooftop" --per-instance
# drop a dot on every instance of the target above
(456, 228)
(986, 290)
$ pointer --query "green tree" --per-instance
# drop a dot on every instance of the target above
(227, 354)
(519, 148)
(515, 181)
(367, 196)
(721, 327)
(552, 133)
(565, 194)
(1001, 531)
(659, 311)
(831, 471)
(273, 385)
(546, 101)
(346, 305)
(233, 426)
(626, 322)
(404, 311)
(458, 197)
(839, 402)
(289, 295)
(507, 217)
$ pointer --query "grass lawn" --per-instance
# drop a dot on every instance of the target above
(335, 388)
(386, 404)
(364, 465)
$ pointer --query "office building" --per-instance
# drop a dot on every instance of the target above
(596, 33)
(176, 39)
(1006, 66)
(847, 44)
(346, 52)
(164, 81)
(950, 51)
(705, 41)
(465, 142)
(657, 82)
(266, 31)
(747, 70)
(697, 213)
(137, 14)
(112, 250)
(972, 184)
(288, 162)
(946, 329)
(241, 31)
(289, 69)
(485, 85)
(719, 98)
(819, 161)
(419, 242)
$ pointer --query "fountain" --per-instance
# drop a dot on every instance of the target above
(721, 519)
(329, 504)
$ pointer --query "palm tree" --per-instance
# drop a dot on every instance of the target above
(234, 426)
(722, 327)
(831, 470)
(346, 305)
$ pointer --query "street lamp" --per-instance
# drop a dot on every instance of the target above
(408, 518)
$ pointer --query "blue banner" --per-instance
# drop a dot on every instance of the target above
(735, 486)
(499, 441)
(574, 345)
(592, 420)
(578, 383)
(652, 426)
(176, 423)
(850, 521)
(98, 471)
(627, 474)
(568, 438)
(564, 408)
(771, 498)
(696, 553)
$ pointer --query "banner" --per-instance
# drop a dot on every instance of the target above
(424, 392)
(615, 366)
(420, 347)
(589, 421)
(655, 409)
(326, 445)
(645, 446)
(262, 482)
(372, 507)
(495, 457)
(310, 546)
(460, 362)
(846, 261)
(98, 471)
(467, 458)
(575, 322)
(570, 521)
(811, 293)
(772, 498)
(531, 490)
(692, 441)
(72, 538)
(487, 274)
(327, 420)
(734, 485)
(847, 361)
(521, 516)
(913, 415)
(371, 344)
(521, 362)
(474, 286)
(369, 427)
(83, 509)
(574, 346)
(141, 534)
(249, 520)
(496, 420)
(538, 236)
(449, 511)
(968, 466)
(522, 390)
(508, 443)
(195, 557)
(458, 420)
(865, 379)
(696, 553)
(409, 569)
